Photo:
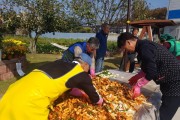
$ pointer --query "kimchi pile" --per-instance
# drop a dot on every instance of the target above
(118, 103)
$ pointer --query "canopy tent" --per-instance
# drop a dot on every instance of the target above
(147, 26)
(152, 23)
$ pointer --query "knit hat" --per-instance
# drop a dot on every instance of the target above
(86, 58)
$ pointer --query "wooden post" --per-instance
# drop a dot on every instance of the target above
(142, 32)
(124, 62)
(148, 30)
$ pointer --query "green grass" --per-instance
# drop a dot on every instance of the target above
(5, 84)
(112, 63)
(35, 60)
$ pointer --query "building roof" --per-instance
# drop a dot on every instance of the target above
(153, 23)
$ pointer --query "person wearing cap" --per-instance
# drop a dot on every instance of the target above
(30, 97)
(158, 64)
(76, 49)
(171, 44)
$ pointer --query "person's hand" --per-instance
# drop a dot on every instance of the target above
(85, 96)
(137, 87)
(92, 76)
(79, 93)
(92, 72)
(136, 90)
(76, 92)
(133, 80)
(100, 102)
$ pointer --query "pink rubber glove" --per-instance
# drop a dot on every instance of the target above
(100, 102)
(76, 92)
(92, 72)
(79, 93)
(133, 80)
(137, 87)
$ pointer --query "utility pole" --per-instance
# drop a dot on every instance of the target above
(128, 15)
(124, 61)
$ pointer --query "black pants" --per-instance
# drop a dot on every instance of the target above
(169, 106)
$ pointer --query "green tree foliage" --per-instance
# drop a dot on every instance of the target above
(9, 18)
(42, 16)
(158, 13)
(81, 10)
(140, 10)
(109, 11)
(11, 22)
(1, 38)
(96, 12)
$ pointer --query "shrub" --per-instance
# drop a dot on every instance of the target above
(44, 46)
(48, 48)
(1, 38)
(13, 48)
(112, 46)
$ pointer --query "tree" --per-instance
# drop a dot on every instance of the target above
(140, 10)
(10, 22)
(96, 12)
(1, 38)
(158, 13)
(9, 18)
(81, 10)
(109, 11)
(42, 16)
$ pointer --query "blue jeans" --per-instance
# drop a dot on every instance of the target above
(99, 64)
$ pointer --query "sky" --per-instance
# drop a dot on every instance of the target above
(154, 3)
(158, 3)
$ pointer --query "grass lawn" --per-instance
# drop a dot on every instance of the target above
(36, 60)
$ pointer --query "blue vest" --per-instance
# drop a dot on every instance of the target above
(82, 45)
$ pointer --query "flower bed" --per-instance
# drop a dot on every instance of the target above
(13, 49)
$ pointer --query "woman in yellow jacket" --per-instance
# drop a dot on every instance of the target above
(30, 97)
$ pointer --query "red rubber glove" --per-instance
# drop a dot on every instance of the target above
(137, 87)
(133, 80)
